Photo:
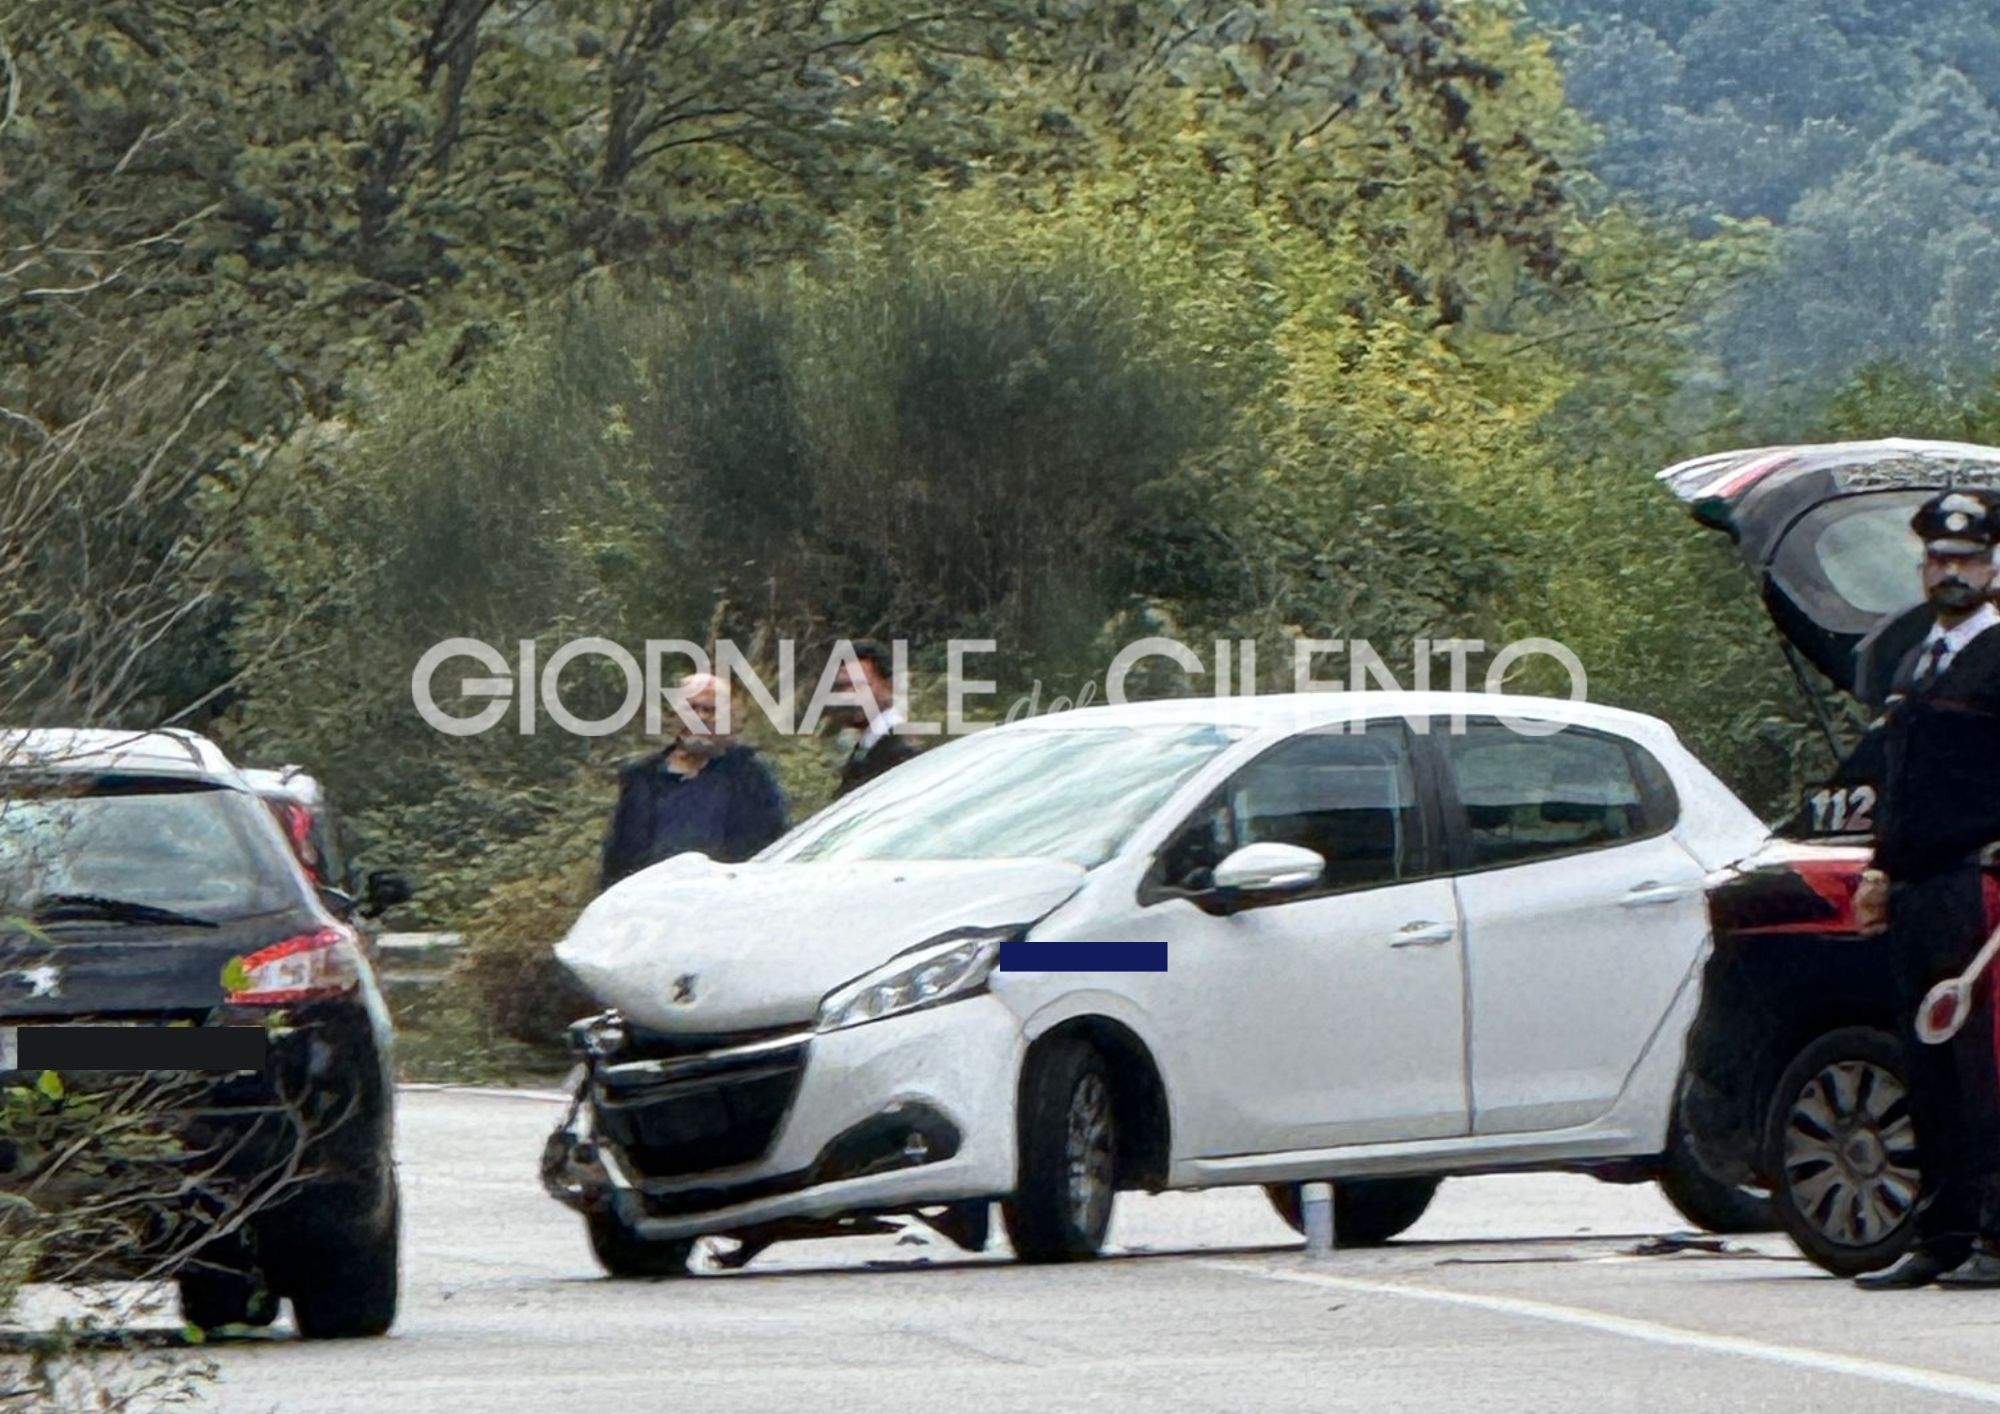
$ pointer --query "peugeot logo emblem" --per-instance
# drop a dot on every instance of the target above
(684, 988)
(44, 981)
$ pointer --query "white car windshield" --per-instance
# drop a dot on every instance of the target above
(1073, 794)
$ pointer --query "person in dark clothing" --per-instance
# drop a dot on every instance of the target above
(880, 745)
(1939, 753)
(704, 793)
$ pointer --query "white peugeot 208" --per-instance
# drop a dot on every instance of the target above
(1370, 937)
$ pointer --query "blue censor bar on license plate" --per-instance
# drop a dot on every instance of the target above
(208, 1049)
(1039, 955)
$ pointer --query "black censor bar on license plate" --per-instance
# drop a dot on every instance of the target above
(209, 1049)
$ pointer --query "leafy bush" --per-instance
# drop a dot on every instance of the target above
(103, 1181)
(510, 974)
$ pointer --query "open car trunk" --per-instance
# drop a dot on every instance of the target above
(1826, 531)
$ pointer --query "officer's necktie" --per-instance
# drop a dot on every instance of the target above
(1934, 662)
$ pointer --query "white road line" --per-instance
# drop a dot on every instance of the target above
(1652, 1332)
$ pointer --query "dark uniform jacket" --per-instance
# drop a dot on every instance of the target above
(863, 766)
(1939, 762)
(728, 811)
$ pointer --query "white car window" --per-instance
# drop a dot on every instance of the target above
(1527, 797)
(1350, 798)
(1070, 794)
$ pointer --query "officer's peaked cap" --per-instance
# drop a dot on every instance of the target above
(1957, 523)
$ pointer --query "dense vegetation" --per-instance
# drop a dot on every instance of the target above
(1866, 131)
(326, 334)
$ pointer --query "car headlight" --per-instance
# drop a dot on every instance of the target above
(944, 969)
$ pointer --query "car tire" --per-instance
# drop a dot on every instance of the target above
(1068, 1181)
(348, 1291)
(626, 1255)
(1711, 1203)
(1367, 1212)
(1842, 1152)
(214, 1297)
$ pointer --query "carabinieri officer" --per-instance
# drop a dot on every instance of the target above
(1940, 811)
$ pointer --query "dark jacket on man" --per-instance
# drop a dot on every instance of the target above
(1940, 763)
(1940, 805)
(728, 811)
(864, 764)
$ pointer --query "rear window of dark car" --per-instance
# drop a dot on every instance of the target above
(1854, 560)
(167, 843)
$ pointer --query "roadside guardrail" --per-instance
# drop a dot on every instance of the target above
(407, 962)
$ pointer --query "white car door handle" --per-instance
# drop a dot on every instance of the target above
(1651, 894)
(1422, 935)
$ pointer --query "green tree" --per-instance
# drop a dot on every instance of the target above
(1865, 130)
(220, 219)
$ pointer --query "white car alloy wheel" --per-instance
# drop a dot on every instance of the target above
(1067, 1183)
(1091, 1152)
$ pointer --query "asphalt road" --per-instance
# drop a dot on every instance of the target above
(1514, 1293)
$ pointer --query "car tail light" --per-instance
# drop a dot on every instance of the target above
(302, 969)
(297, 822)
(1796, 895)
(1809, 894)
(1834, 881)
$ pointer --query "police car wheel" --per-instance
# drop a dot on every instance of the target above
(1842, 1150)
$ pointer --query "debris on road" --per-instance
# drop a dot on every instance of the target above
(1675, 1244)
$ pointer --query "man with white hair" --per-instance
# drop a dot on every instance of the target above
(703, 793)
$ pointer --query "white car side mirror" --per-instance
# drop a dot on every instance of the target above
(1269, 869)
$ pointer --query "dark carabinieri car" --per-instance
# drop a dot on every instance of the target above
(154, 921)
(1795, 1073)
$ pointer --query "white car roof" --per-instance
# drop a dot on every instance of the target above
(166, 752)
(1715, 826)
(1303, 711)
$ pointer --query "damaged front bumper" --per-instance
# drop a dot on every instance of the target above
(782, 1130)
